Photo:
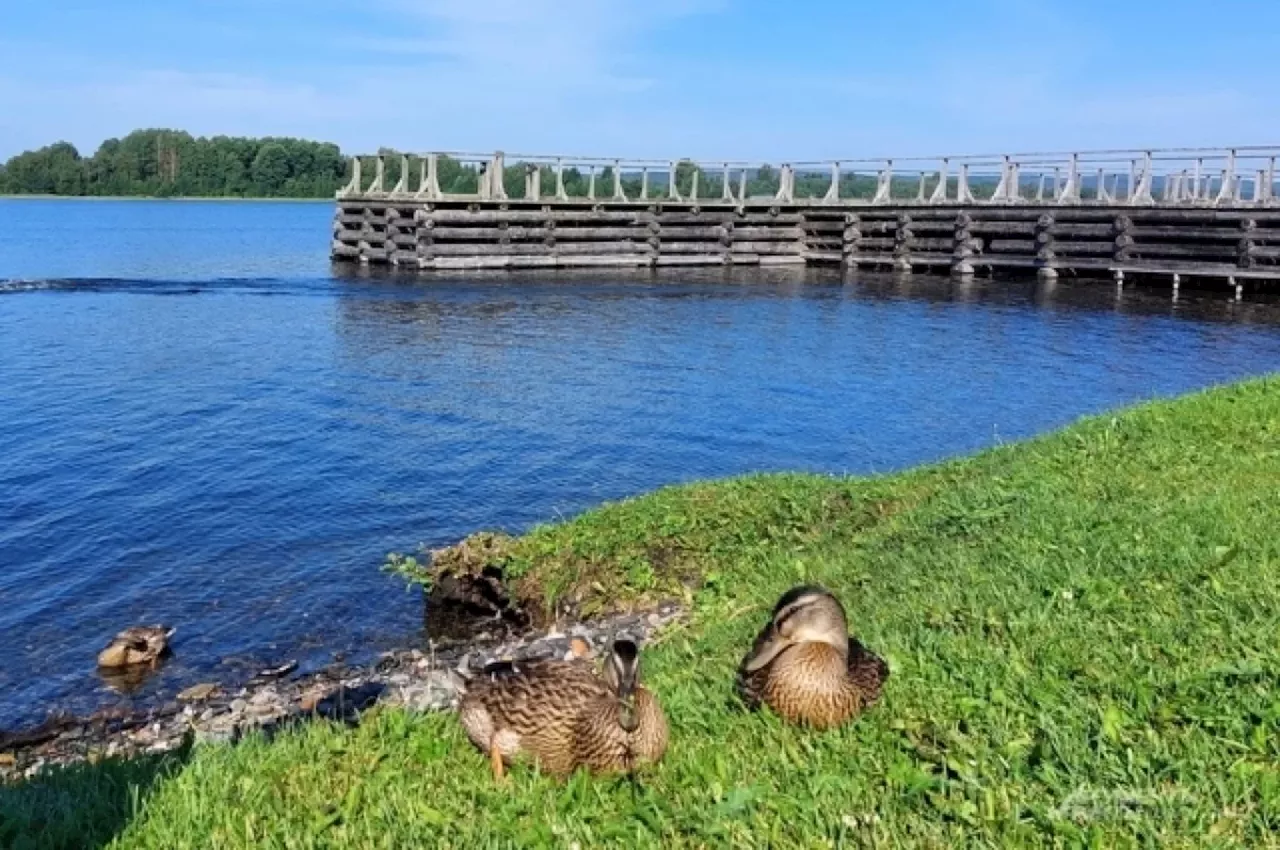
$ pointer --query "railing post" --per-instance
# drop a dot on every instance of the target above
(402, 185)
(939, 195)
(833, 191)
(693, 183)
(674, 191)
(379, 175)
(1071, 191)
(353, 187)
(433, 175)
(1040, 188)
(1195, 180)
(1227, 192)
(726, 192)
(1001, 194)
(591, 185)
(533, 182)
(883, 184)
(1103, 196)
(644, 183)
(561, 194)
(924, 175)
(618, 194)
(1142, 194)
(742, 186)
(786, 184)
(497, 170)
(964, 195)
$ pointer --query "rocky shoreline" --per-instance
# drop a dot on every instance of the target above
(412, 679)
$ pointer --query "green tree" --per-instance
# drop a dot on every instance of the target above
(160, 162)
(270, 169)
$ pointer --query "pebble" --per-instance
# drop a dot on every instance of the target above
(198, 693)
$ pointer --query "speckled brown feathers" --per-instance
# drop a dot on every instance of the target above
(806, 667)
(136, 645)
(565, 715)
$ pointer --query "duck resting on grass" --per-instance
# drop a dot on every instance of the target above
(806, 667)
(565, 715)
(136, 646)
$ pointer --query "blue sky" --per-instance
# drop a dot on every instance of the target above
(709, 79)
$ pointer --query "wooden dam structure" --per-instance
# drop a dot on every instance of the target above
(1209, 215)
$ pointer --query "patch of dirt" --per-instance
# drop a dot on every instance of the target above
(468, 593)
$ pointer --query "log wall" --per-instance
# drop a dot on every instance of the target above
(1236, 246)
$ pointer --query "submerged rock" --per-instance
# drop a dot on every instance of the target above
(198, 693)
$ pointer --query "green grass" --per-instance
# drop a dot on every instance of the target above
(1084, 632)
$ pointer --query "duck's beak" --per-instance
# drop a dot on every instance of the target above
(766, 650)
(625, 668)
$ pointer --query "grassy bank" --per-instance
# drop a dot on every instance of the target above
(1084, 632)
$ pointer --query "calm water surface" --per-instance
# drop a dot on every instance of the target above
(200, 424)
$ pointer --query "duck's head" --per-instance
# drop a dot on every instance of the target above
(805, 614)
(622, 672)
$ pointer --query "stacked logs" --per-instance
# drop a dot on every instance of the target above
(1077, 240)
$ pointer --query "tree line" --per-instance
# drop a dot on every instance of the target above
(171, 163)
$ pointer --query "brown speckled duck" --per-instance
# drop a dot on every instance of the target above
(565, 715)
(806, 667)
(135, 646)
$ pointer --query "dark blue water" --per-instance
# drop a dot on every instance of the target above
(201, 425)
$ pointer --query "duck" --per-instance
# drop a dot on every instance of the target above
(136, 646)
(565, 715)
(806, 667)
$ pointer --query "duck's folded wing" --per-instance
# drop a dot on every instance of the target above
(528, 688)
(867, 670)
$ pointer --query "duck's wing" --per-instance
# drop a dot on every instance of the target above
(867, 670)
(529, 695)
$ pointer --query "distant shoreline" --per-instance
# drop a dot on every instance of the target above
(185, 198)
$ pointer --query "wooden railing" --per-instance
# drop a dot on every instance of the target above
(1183, 177)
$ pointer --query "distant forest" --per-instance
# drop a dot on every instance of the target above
(169, 163)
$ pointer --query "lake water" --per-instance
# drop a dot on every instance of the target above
(201, 425)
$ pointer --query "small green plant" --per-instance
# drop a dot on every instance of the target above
(409, 567)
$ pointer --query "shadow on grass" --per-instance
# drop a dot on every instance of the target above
(83, 805)
(87, 805)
